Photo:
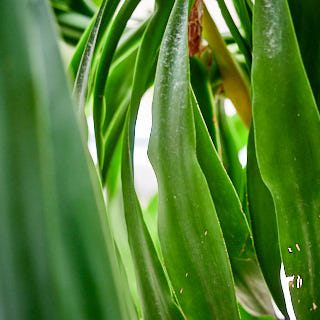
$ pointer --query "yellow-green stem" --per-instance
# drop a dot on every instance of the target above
(235, 81)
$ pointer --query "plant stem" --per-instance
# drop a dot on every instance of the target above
(235, 81)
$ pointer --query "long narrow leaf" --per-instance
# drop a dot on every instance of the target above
(287, 135)
(251, 289)
(190, 236)
(305, 16)
(155, 295)
(264, 226)
(80, 87)
(57, 257)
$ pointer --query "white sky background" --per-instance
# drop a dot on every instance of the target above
(145, 181)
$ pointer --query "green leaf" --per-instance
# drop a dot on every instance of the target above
(150, 216)
(72, 25)
(80, 87)
(190, 236)
(243, 45)
(114, 33)
(202, 89)
(287, 135)
(250, 286)
(229, 148)
(245, 17)
(307, 26)
(57, 257)
(154, 291)
(264, 227)
(100, 20)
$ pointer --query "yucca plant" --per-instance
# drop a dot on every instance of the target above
(75, 241)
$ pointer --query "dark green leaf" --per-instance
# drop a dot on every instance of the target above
(287, 135)
(154, 291)
(307, 26)
(190, 236)
(250, 286)
(264, 227)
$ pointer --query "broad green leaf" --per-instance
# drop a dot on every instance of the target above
(305, 16)
(132, 311)
(154, 291)
(190, 236)
(57, 257)
(250, 286)
(287, 135)
(264, 227)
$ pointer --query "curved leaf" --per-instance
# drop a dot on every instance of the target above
(80, 87)
(250, 286)
(287, 135)
(305, 16)
(112, 39)
(243, 45)
(264, 226)
(154, 291)
(190, 236)
(235, 82)
(57, 257)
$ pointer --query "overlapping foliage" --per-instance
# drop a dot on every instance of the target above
(75, 242)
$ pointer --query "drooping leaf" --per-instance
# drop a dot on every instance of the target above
(287, 135)
(202, 89)
(153, 288)
(244, 46)
(190, 236)
(307, 27)
(251, 289)
(57, 257)
(264, 227)
(96, 31)
(80, 87)
(112, 39)
(245, 17)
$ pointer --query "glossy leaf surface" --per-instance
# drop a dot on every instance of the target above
(154, 291)
(190, 236)
(287, 133)
(264, 226)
